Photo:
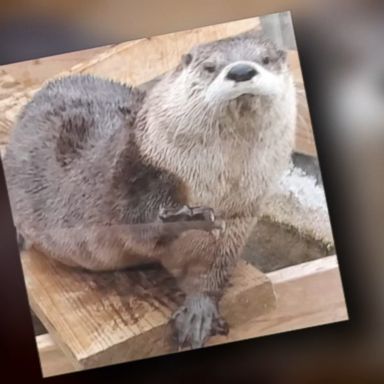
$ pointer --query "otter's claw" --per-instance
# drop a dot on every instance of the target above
(175, 214)
(186, 213)
(200, 218)
(196, 320)
(203, 213)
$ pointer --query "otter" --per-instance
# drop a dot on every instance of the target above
(104, 176)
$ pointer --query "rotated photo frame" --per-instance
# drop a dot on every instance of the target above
(167, 195)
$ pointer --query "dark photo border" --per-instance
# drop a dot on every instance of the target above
(287, 357)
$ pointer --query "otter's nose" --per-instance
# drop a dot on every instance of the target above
(241, 72)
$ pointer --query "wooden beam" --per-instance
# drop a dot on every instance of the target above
(13, 96)
(106, 318)
(33, 73)
(52, 359)
(298, 305)
(302, 270)
(304, 141)
(136, 62)
(308, 295)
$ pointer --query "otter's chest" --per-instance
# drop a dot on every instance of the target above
(229, 178)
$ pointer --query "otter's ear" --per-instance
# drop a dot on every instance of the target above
(251, 33)
(186, 59)
(282, 54)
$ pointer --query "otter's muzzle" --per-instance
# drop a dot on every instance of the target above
(241, 72)
(240, 78)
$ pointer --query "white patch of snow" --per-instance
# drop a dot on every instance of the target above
(304, 188)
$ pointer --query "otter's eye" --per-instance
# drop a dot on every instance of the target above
(209, 67)
(266, 60)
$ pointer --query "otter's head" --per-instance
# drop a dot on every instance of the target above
(227, 69)
(237, 86)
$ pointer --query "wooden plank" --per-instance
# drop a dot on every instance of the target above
(52, 359)
(304, 141)
(307, 295)
(317, 300)
(304, 269)
(13, 95)
(105, 318)
(141, 60)
(33, 73)
(299, 305)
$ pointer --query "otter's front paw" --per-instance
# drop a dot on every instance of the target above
(196, 320)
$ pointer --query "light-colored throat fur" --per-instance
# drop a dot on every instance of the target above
(229, 154)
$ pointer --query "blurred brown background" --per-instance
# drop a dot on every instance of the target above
(343, 43)
(123, 20)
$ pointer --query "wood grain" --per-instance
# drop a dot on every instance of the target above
(106, 318)
(13, 96)
(33, 73)
(304, 140)
(139, 61)
(299, 305)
